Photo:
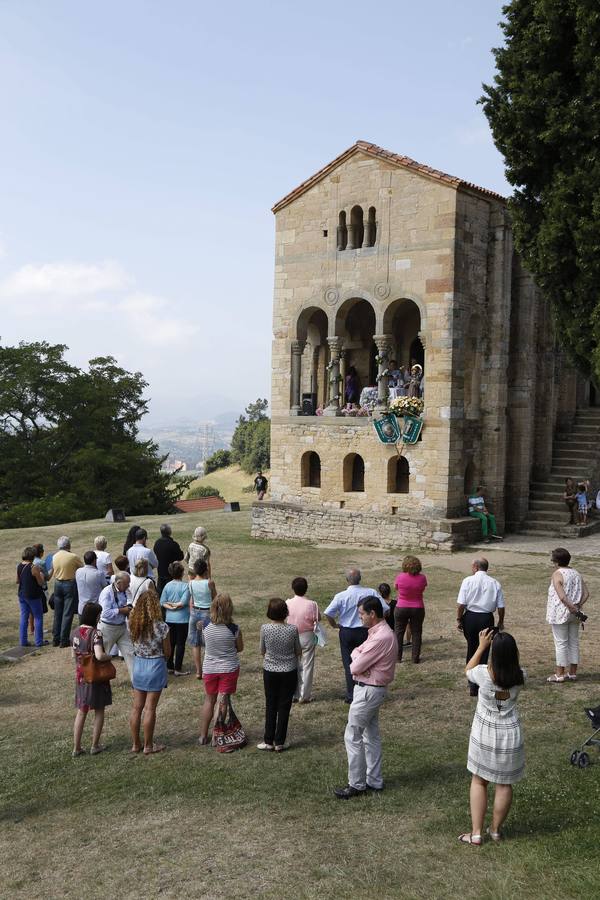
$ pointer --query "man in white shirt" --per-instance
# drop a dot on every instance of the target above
(140, 551)
(90, 582)
(478, 599)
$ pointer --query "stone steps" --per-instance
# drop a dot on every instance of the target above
(573, 456)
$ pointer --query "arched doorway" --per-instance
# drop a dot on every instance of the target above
(355, 324)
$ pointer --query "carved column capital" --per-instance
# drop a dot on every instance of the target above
(383, 342)
(335, 345)
(423, 339)
(298, 347)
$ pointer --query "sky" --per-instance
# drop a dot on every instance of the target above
(144, 144)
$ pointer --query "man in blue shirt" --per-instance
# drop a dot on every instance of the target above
(344, 606)
(115, 601)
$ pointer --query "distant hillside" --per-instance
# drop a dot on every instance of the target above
(229, 482)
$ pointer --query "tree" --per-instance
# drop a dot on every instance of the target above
(219, 460)
(68, 443)
(544, 112)
(251, 441)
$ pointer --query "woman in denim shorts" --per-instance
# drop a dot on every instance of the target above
(202, 594)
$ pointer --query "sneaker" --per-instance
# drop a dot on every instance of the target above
(348, 792)
(497, 537)
(263, 746)
(374, 790)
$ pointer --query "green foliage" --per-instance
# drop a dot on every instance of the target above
(203, 490)
(68, 440)
(219, 460)
(251, 441)
(544, 112)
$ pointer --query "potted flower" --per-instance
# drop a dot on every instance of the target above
(407, 406)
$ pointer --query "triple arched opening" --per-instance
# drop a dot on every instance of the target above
(353, 473)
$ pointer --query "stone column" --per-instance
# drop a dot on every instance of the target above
(297, 351)
(368, 240)
(335, 347)
(351, 245)
(314, 370)
(383, 342)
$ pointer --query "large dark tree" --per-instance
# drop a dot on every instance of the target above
(69, 443)
(544, 112)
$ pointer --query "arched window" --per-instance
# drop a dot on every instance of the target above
(354, 473)
(356, 232)
(398, 475)
(311, 470)
(371, 228)
(342, 232)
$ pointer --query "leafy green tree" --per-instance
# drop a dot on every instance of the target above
(68, 440)
(251, 441)
(544, 112)
(219, 460)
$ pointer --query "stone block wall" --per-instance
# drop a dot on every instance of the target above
(292, 522)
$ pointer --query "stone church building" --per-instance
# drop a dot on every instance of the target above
(377, 258)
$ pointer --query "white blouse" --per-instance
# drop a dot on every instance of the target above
(556, 611)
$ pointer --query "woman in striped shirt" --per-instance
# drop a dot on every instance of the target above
(222, 641)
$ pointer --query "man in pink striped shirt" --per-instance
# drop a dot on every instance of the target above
(373, 665)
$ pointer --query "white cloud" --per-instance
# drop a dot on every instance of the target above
(66, 279)
(153, 318)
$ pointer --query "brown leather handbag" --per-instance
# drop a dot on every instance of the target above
(95, 671)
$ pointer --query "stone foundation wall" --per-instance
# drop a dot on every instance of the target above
(292, 522)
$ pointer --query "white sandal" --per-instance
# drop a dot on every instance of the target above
(470, 838)
(495, 836)
(556, 679)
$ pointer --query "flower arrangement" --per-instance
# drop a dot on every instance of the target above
(407, 406)
(355, 411)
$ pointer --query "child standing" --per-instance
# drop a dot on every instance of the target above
(582, 503)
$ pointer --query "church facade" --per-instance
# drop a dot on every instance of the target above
(379, 258)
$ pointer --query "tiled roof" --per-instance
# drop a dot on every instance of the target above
(199, 504)
(403, 161)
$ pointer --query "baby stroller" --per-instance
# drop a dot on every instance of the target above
(579, 757)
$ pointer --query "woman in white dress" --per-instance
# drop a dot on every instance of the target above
(496, 751)
(566, 595)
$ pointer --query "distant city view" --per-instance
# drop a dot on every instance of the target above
(189, 443)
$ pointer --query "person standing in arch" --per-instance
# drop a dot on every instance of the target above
(414, 385)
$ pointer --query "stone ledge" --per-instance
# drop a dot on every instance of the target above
(275, 520)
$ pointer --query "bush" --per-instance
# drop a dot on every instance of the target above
(203, 490)
(219, 460)
(48, 511)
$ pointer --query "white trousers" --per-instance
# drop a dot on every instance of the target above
(566, 642)
(306, 666)
(362, 738)
(118, 635)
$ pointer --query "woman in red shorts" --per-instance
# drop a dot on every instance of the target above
(222, 641)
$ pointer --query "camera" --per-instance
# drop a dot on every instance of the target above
(581, 616)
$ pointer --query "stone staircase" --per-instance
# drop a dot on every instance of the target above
(576, 454)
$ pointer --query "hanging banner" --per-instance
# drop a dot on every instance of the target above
(388, 429)
(411, 429)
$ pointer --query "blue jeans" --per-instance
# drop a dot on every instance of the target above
(33, 607)
(65, 604)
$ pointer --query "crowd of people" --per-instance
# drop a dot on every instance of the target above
(139, 606)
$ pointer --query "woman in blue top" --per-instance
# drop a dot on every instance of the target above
(202, 593)
(175, 599)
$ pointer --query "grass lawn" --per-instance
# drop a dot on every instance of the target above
(230, 482)
(192, 823)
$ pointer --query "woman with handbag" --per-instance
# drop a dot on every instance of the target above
(280, 646)
(222, 641)
(151, 647)
(87, 640)
(305, 615)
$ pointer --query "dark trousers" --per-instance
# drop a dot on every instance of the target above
(65, 604)
(473, 623)
(350, 638)
(279, 693)
(178, 632)
(413, 616)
